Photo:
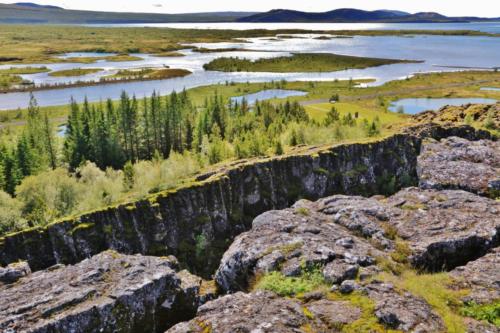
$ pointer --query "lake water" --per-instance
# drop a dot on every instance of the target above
(490, 89)
(417, 105)
(438, 53)
(268, 94)
(492, 27)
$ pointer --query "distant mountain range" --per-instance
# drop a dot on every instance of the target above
(32, 13)
(27, 12)
(349, 15)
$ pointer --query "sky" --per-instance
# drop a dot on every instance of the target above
(485, 8)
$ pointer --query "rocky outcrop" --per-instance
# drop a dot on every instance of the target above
(196, 223)
(264, 311)
(460, 114)
(481, 277)
(292, 241)
(345, 234)
(109, 292)
(456, 163)
(256, 312)
(14, 272)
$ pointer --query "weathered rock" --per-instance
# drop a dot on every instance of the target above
(481, 277)
(109, 292)
(265, 312)
(443, 229)
(290, 241)
(197, 222)
(403, 312)
(458, 114)
(14, 272)
(456, 163)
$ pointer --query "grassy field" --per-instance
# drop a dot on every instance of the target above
(299, 62)
(23, 70)
(35, 43)
(149, 74)
(75, 72)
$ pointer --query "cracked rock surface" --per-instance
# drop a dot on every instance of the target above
(109, 292)
(456, 163)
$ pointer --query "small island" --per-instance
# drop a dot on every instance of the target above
(298, 62)
(75, 72)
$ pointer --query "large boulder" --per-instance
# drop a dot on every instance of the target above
(456, 163)
(264, 311)
(109, 292)
(291, 241)
(14, 272)
(441, 229)
(481, 277)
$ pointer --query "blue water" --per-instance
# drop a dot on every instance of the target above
(268, 94)
(491, 27)
(438, 53)
(490, 89)
(417, 105)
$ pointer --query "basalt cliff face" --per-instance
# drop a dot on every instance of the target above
(197, 223)
(421, 200)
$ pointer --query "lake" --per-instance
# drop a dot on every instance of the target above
(417, 105)
(490, 89)
(268, 94)
(438, 53)
(491, 27)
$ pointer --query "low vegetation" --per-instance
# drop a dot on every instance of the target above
(487, 312)
(23, 70)
(298, 62)
(148, 74)
(75, 72)
(34, 43)
(133, 134)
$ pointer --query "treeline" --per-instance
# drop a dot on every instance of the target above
(127, 149)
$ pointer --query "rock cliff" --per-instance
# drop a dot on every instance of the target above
(197, 222)
(109, 292)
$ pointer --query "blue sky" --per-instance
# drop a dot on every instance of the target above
(487, 8)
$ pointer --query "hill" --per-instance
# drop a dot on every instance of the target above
(34, 13)
(350, 15)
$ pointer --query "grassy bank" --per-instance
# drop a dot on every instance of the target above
(149, 73)
(35, 43)
(23, 70)
(75, 72)
(298, 62)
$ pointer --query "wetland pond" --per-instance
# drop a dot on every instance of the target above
(417, 105)
(438, 53)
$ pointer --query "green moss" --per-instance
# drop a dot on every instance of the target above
(435, 290)
(82, 226)
(401, 252)
(308, 313)
(282, 285)
(489, 312)
(303, 211)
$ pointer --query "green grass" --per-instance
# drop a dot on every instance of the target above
(298, 62)
(24, 70)
(318, 112)
(434, 289)
(487, 312)
(149, 73)
(75, 72)
(291, 286)
(41, 43)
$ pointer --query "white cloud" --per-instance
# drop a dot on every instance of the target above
(487, 8)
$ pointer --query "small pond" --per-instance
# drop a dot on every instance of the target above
(490, 89)
(417, 105)
(268, 94)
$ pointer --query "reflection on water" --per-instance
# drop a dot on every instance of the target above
(490, 89)
(417, 105)
(268, 94)
(433, 50)
(492, 27)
